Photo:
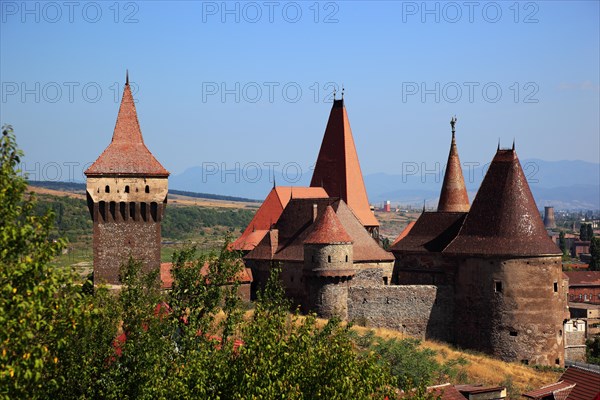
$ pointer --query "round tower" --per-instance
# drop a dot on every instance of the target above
(549, 221)
(509, 298)
(328, 265)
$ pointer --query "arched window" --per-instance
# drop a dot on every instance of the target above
(106, 189)
(147, 189)
(127, 189)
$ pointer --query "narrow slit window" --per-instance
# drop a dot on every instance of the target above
(555, 287)
(328, 258)
(498, 286)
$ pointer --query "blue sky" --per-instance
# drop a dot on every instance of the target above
(543, 56)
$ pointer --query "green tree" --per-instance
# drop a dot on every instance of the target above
(593, 350)
(38, 304)
(562, 243)
(595, 253)
(586, 232)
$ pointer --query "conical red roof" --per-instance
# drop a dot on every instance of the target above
(328, 230)
(453, 197)
(504, 219)
(337, 169)
(127, 155)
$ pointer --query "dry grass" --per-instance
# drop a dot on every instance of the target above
(482, 369)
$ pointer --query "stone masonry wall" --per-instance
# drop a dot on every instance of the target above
(422, 311)
(115, 242)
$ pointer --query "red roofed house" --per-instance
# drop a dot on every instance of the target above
(126, 195)
(584, 286)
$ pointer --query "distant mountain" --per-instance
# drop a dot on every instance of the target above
(563, 184)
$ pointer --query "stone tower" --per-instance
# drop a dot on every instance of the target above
(509, 297)
(328, 265)
(453, 197)
(126, 196)
(549, 221)
(337, 169)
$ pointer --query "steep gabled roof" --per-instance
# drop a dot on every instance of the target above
(503, 219)
(127, 155)
(270, 211)
(431, 232)
(296, 223)
(337, 169)
(453, 196)
(328, 230)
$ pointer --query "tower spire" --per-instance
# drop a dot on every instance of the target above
(453, 197)
(127, 77)
(337, 169)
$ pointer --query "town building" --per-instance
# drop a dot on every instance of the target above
(584, 286)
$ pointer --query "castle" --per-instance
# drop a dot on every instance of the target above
(485, 277)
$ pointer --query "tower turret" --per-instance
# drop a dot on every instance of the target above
(126, 195)
(453, 197)
(509, 288)
(328, 265)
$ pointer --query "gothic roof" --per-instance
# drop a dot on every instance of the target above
(328, 230)
(337, 169)
(453, 196)
(431, 232)
(286, 243)
(269, 212)
(503, 219)
(127, 155)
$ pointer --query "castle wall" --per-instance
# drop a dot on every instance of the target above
(386, 269)
(423, 269)
(114, 242)
(512, 308)
(422, 311)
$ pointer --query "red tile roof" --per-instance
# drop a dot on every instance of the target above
(587, 383)
(127, 155)
(583, 278)
(558, 391)
(244, 276)
(328, 230)
(270, 211)
(454, 192)
(446, 392)
(404, 232)
(338, 169)
(503, 219)
(286, 241)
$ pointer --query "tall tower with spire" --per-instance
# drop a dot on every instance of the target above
(338, 170)
(453, 197)
(126, 195)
